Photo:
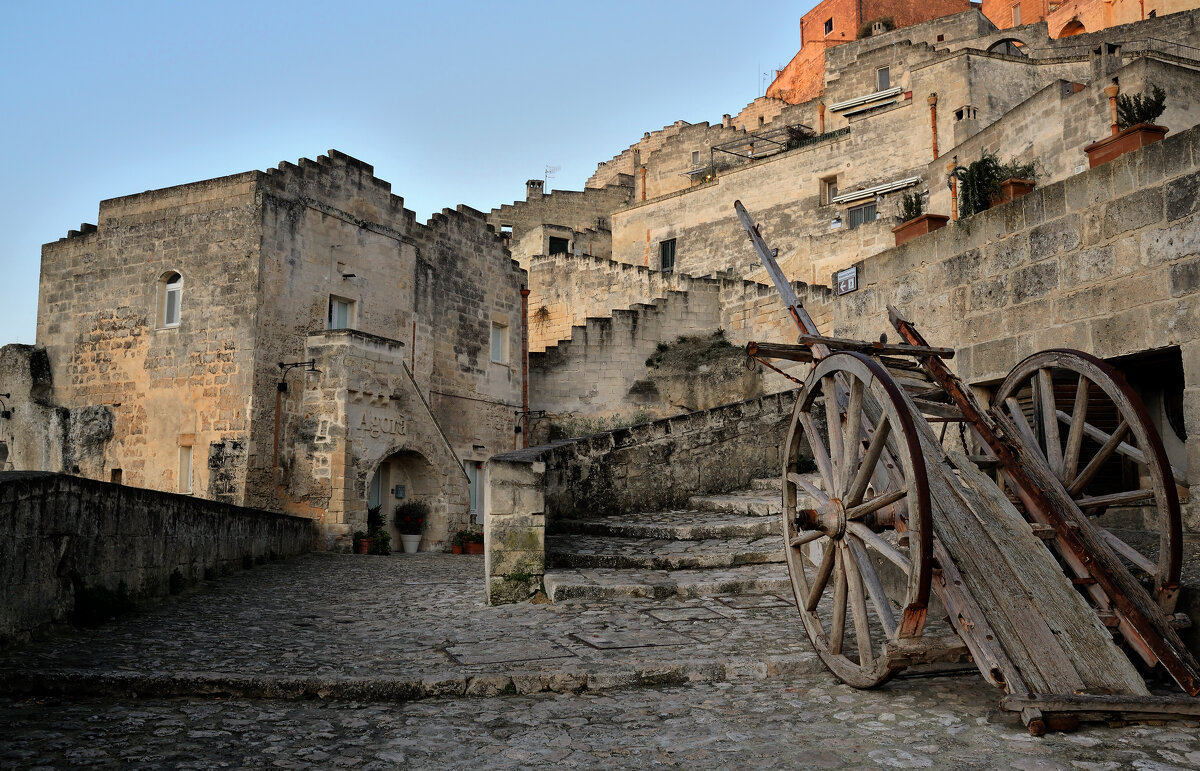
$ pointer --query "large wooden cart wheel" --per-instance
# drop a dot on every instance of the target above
(872, 507)
(1084, 420)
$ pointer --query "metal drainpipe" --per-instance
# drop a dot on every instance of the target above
(933, 122)
(524, 367)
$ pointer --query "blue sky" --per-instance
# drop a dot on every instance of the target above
(452, 102)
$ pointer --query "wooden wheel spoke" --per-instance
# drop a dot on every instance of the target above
(858, 606)
(876, 542)
(862, 478)
(799, 540)
(833, 423)
(1128, 552)
(820, 454)
(1045, 392)
(875, 504)
(809, 488)
(821, 579)
(870, 578)
(1075, 433)
(838, 630)
(1099, 459)
(1128, 498)
(851, 439)
(1018, 416)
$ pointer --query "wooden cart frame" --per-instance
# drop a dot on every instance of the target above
(1052, 605)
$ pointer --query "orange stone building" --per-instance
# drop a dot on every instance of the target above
(1078, 16)
(835, 22)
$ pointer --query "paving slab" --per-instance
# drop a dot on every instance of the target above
(614, 584)
(404, 627)
(588, 551)
(686, 524)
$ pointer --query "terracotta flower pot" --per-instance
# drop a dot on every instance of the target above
(926, 223)
(1127, 140)
(474, 548)
(456, 548)
(362, 546)
(1011, 189)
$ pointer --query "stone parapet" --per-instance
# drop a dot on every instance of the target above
(76, 549)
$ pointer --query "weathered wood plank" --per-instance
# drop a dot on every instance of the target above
(1104, 704)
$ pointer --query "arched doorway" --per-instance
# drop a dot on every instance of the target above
(1008, 47)
(404, 476)
(1073, 27)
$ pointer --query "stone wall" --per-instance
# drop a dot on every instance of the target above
(650, 467)
(586, 211)
(75, 549)
(1107, 261)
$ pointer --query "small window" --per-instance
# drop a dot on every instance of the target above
(171, 298)
(859, 215)
(185, 469)
(1152, 14)
(829, 190)
(472, 468)
(828, 26)
(559, 245)
(883, 78)
(506, 230)
(341, 313)
(941, 38)
(1016, 15)
(695, 157)
(499, 343)
(666, 251)
(114, 476)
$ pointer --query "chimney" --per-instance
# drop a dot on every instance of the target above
(533, 189)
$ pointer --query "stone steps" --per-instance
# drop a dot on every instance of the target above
(608, 583)
(722, 544)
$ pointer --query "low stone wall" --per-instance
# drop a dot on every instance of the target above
(650, 467)
(73, 549)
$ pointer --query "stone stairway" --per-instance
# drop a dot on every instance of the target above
(720, 544)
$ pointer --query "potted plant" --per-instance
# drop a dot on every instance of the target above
(978, 184)
(1135, 126)
(1016, 179)
(361, 542)
(914, 221)
(459, 543)
(475, 542)
(381, 542)
(410, 523)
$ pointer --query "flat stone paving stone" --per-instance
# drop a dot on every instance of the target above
(606, 583)
(688, 524)
(755, 503)
(786, 722)
(339, 623)
(584, 551)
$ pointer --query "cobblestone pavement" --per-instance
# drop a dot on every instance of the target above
(783, 723)
(334, 661)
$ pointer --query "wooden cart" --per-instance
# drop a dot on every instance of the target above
(1052, 606)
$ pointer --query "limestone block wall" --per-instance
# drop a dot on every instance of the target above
(583, 210)
(1107, 261)
(650, 467)
(596, 370)
(100, 320)
(71, 546)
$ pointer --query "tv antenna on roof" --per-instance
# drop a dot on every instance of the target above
(550, 172)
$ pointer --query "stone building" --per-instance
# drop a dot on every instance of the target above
(1078, 16)
(291, 340)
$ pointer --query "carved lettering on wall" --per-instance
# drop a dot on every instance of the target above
(375, 425)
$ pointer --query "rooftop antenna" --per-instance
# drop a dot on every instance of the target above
(550, 172)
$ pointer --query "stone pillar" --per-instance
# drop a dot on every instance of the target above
(514, 529)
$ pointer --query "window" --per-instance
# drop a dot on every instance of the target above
(695, 157)
(941, 38)
(114, 476)
(829, 190)
(828, 26)
(1016, 15)
(883, 78)
(341, 313)
(499, 343)
(859, 215)
(170, 298)
(666, 252)
(472, 468)
(1152, 14)
(559, 245)
(185, 469)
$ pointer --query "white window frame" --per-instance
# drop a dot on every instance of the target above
(882, 73)
(171, 289)
(185, 469)
(1016, 15)
(498, 344)
(829, 190)
(339, 302)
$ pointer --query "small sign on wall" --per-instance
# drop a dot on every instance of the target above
(845, 281)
